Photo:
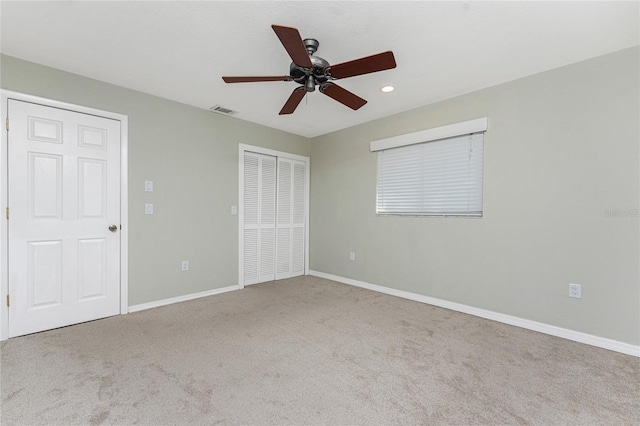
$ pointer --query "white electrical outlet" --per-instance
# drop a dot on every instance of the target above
(575, 290)
(185, 265)
(352, 255)
(234, 210)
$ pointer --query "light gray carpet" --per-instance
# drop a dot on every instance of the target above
(311, 351)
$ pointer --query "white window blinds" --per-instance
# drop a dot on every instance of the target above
(439, 178)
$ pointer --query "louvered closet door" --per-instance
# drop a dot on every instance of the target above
(291, 218)
(259, 218)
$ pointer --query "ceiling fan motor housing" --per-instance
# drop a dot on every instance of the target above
(310, 77)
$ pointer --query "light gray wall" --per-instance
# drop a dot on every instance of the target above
(192, 157)
(561, 149)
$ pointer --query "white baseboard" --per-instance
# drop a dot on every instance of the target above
(157, 303)
(576, 336)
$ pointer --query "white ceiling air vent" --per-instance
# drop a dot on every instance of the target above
(222, 110)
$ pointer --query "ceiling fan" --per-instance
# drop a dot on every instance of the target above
(310, 71)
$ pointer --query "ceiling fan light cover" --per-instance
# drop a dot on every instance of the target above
(310, 84)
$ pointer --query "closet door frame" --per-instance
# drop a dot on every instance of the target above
(242, 148)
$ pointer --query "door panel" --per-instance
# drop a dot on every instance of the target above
(250, 256)
(267, 251)
(92, 188)
(284, 253)
(45, 185)
(41, 129)
(290, 243)
(251, 206)
(298, 219)
(64, 192)
(44, 269)
(267, 218)
(297, 251)
(259, 217)
(92, 262)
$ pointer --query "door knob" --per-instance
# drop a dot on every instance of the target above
(113, 228)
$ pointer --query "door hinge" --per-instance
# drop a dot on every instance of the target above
(7, 300)
(7, 212)
(7, 123)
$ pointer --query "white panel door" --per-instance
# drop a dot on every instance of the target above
(290, 229)
(259, 218)
(64, 193)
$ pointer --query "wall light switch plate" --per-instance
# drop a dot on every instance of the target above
(352, 255)
(148, 208)
(575, 290)
(148, 186)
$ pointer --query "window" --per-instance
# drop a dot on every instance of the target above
(441, 177)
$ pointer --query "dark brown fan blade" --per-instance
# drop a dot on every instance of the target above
(293, 101)
(374, 63)
(292, 42)
(342, 95)
(255, 79)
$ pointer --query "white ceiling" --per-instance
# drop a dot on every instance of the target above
(179, 50)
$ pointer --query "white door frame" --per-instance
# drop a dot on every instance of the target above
(5, 96)
(242, 148)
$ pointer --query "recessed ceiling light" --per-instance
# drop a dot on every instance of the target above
(388, 89)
